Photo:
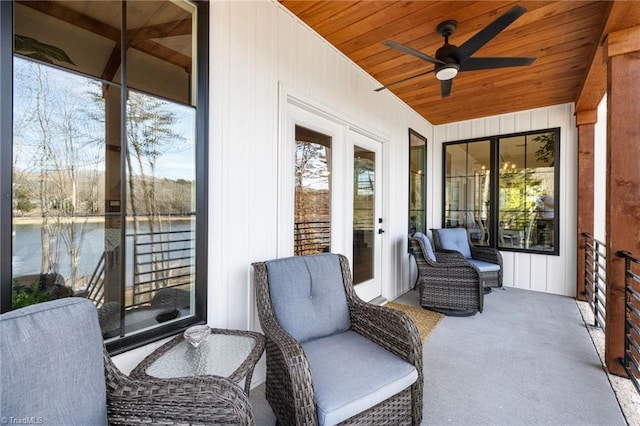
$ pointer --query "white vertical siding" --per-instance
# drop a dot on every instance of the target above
(551, 274)
(258, 47)
(255, 48)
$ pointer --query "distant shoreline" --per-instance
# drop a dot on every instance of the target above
(35, 220)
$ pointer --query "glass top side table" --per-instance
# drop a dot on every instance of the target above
(227, 353)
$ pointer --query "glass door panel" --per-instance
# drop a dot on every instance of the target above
(312, 208)
(364, 215)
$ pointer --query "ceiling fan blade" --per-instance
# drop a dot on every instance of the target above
(413, 52)
(473, 64)
(402, 81)
(445, 88)
(483, 36)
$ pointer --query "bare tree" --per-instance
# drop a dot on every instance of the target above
(150, 135)
(56, 143)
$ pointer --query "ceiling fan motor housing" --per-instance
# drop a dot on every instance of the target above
(450, 68)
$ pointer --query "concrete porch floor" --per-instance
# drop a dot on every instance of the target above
(528, 359)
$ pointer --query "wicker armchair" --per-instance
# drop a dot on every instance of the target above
(55, 368)
(487, 259)
(447, 283)
(299, 388)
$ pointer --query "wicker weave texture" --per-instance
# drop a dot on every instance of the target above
(202, 400)
(450, 283)
(289, 386)
(486, 254)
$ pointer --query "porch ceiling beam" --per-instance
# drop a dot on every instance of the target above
(620, 15)
(624, 41)
(87, 23)
(70, 16)
(166, 29)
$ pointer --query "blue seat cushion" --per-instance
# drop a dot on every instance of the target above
(484, 266)
(455, 239)
(52, 368)
(352, 374)
(308, 296)
(427, 245)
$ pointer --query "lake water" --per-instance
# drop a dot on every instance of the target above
(27, 248)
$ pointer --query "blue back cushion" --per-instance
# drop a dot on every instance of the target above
(427, 245)
(455, 239)
(52, 367)
(308, 296)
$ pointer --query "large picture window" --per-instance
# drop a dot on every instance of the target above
(108, 176)
(504, 190)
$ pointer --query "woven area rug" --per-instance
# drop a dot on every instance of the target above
(425, 320)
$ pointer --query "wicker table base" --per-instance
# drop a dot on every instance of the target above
(226, 353)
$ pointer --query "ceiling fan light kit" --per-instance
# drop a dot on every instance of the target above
(451, 59)
(446, 72)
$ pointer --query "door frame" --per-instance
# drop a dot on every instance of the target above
(370, 289)
(342, 229)
(296, 116)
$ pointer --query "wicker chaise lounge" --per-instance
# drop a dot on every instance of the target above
(331, 357)
(447, 283)
(55, 371)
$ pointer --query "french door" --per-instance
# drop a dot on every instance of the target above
(367, 222)
(331, 194)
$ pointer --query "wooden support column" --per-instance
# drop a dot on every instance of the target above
(622, 53)
(586, 122)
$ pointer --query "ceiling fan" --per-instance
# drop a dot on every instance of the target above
(451, 59)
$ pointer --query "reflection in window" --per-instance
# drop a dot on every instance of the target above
(364, 185)
(417, 183)
(527, 191)
(312, 211)
(93, 215)
(160, 160)
(58, 169)
(467, 189)
(526, 198)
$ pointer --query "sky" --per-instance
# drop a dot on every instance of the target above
(45, 98)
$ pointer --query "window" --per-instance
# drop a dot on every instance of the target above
(503, 190)
(467, 195)
(527, 187)
(312, 211)
(417, 182)
(108, 178)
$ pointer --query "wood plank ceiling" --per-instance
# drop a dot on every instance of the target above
(564, 36)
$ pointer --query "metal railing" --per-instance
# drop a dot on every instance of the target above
(163, 259)
(160, 260)
(311, 237)
(95, 288)
(631, 360)
(595, 290)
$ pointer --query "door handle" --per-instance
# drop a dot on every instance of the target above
(380, 231)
